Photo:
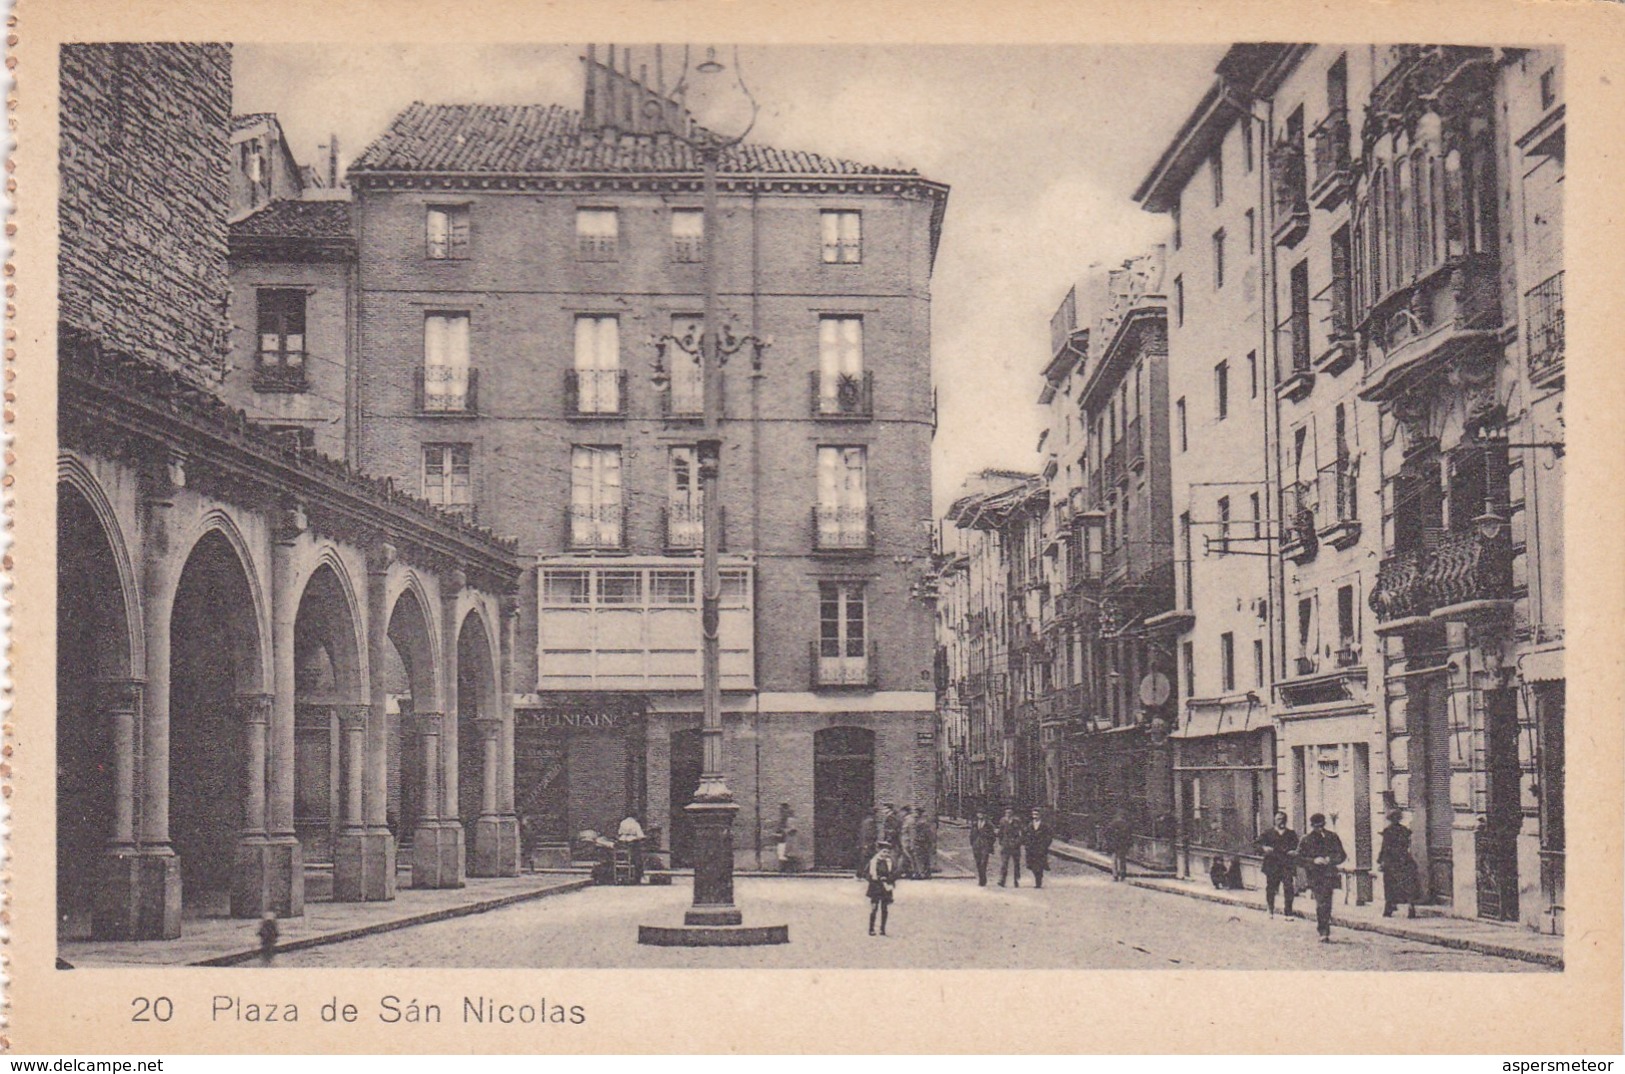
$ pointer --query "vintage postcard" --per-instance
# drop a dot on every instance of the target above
(1049, 521)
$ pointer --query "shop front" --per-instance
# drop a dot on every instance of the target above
(579, 766)
(1124, 772)
(1329, 765)
(1224, 767)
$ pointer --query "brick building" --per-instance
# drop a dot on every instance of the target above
(274, 675)
(517, 265)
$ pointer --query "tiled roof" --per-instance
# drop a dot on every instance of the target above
(518, 139)
(251, 119)
(297, 220)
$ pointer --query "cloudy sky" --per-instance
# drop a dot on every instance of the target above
(1043, 147)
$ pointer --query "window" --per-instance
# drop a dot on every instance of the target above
(843, 655)
(446, 380)
(1224, 524)
(1215, 167)
(1306, 628)
(842, 512)
(595, 497)
(597, 372)
(1218, 259)
(1346, 634)
(1252, 231)
(446, 476)
(672, 588)
(843, 236)
(1342, 326)
(1252, 373)
(1258, 517)
(1187, 653)
(564, 588)
(598, 234)
(447, 232)
(280, 361)
(687, 234)
(1179, 232)
(1179, 300)
(840, 366)
(1548, 88)
(1221, 390)
(1184, 432)
(1298, 318)
(1258, 662)
(1227, 662)
(1186, 554)
(685, 502)
(685, 394)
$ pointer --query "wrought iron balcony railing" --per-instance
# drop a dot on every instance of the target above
(443, 389)
(1451, 568)
(594, 527)
(590, 392)
(843, 529)
(842, 396)
(1332, 171)
(1299, 538)
(832, 664)
(684, 527)
(1291, 198)
(683, 395)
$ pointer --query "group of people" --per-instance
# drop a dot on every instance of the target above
(1014, 838)
(893, 846)
(1319, 854)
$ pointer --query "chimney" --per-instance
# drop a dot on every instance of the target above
(333, 161)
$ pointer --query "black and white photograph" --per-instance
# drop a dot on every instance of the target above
(753, 505)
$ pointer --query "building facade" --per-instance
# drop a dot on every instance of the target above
(277, 680)
(524, 303)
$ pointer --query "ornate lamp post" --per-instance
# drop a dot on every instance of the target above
(713, 919)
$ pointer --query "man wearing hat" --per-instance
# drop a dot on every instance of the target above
(1321, 852)
(1035, 840)
(1010, 838)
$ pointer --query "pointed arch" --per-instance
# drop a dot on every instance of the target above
(72, 472)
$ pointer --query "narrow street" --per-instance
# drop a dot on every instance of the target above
(1079, 920)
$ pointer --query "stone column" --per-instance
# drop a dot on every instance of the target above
(364, 851)
(490, 850)
(451, 584)
(116, 908)
(436, 844)
(259, 881)
(286, 880)
(507, 826)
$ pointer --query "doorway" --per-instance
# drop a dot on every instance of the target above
(843, 793)
(1497, 837)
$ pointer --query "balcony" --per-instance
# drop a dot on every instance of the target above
(683, 394)
(683, 525)
(1415, 331)
(1096, 490)
(595, 393)
(843, 529)
(1300, 378)
(1291, 199)
(1340, 343)
(1113, 469)
(1136, 444)
(1347, 654)
(1333, 175)
(285, 376)
(1543, 332)
(447, 391)
(591, 527)
(1453, 575)
(1339, 515)
(847, 396)
(843, 670)
(1300, 541)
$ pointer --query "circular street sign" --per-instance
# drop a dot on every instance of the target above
(1154, 690)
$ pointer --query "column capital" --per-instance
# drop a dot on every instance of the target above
(252, 708)
(453, 582)
(353, 717)
(488, 726)
(427, 723)
(290, 522)
(382, 556)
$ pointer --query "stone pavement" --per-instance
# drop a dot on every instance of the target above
(1434, 927)
(226, 941)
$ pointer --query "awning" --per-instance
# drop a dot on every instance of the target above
(1544, 665)
(1227, 718)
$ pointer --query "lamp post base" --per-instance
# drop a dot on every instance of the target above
(713, 920)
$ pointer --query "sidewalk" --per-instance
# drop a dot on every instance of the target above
(225, 941)
(1461, 933)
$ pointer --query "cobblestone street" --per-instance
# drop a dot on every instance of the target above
(1080, 919)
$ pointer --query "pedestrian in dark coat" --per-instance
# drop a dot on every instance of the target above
(1401, 881)
(983, 835)
(882, 875)
(1010, 837)
(1321, 852)
(891, 826)
(1280, 847)
(928, 844)
(1035, 840)
(1119, 840)
(868, 838)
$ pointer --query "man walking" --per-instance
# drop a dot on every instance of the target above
(1118, 841)
(983, 834)
(1036, 840)
(909, 863)
(1401, 880)
(1322, 852)
(1010, 836)
(1280, 847)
